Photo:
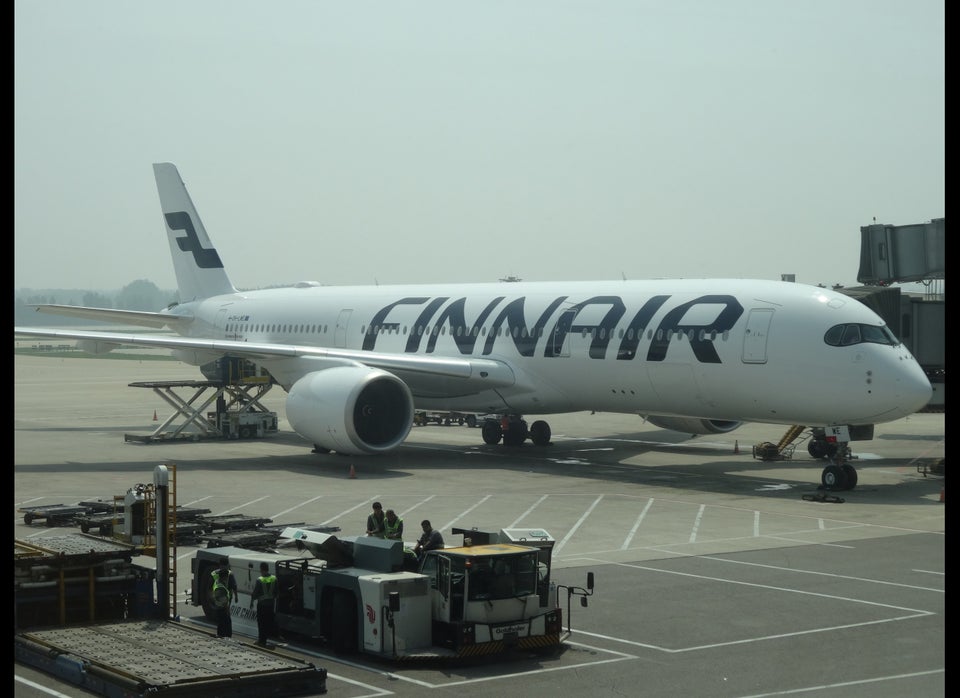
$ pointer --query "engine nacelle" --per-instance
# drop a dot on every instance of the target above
(351, 409)
(694, 425)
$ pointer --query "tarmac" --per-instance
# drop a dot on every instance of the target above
(717, 574)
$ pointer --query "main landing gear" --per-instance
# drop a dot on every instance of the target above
(513, 431)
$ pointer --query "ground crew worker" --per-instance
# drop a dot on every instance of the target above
(265, 594)
(375, 521)
(430, 540)
(224, 593)
(392, 526)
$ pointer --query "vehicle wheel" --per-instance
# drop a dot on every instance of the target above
(817, 448)
(471, 420)
(833, 478)
(850, 474)
(84, 527)
(540, 433)
(28, 519)
(460, 421)
(492, 433)
(246, 432)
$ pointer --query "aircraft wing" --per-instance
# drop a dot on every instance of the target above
(487, 373)
(121, 317)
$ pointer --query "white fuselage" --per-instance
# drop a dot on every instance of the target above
(722, 349)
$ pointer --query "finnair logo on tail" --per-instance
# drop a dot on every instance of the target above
(205, 258)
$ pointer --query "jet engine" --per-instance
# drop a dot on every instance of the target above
(353, 410)
(694, 425)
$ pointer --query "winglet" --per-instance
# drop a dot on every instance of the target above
(200, 273)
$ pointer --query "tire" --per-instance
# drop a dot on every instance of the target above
(491, 432)
(817, 448)
(471, 420)
(850, 473)
(246, 432)
(516, 433)
(833, 478)
(540, 433)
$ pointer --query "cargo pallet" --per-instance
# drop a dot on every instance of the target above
(150, 657)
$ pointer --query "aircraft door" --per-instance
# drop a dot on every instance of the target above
(340, 333)
(755, 336)
(559, 341)
(441, 592)
(221, 321)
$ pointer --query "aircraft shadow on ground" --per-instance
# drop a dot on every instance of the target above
(604, 459)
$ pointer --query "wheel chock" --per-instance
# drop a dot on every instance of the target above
(832, 499)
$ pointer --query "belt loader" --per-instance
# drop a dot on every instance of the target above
(491, 594)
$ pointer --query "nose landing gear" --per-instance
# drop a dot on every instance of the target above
(840, 474)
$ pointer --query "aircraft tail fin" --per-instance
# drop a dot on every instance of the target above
(200, 273)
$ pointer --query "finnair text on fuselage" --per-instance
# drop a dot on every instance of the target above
(427, 318)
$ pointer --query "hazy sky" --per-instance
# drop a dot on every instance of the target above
(358, 142)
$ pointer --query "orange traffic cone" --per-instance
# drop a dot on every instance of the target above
(736, 446)
(154, 415)
(353, 472)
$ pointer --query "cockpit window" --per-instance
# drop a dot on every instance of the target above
(851, 335)
(848, 335)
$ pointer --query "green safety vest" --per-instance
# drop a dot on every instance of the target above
(221, 592)
(269, 585)
(389, 530)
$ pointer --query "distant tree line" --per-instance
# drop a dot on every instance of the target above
(138, 295)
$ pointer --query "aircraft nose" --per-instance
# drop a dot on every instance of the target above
(914, 390)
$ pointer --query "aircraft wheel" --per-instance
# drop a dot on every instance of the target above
(850, 475)
(516, 433)
(491, 432)
(817, 448)
(540, 433)
(833, 478)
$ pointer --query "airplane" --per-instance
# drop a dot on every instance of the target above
(700, 356)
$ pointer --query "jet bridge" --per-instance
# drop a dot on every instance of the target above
(214, 410)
